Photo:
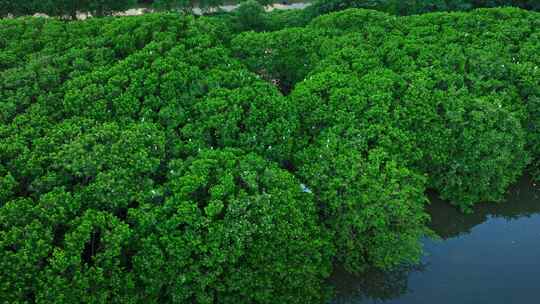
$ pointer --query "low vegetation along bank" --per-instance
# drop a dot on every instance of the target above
(166, 158)
(98, 8)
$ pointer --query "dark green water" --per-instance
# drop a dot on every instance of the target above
(491, 256)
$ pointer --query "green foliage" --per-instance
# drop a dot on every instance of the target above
(168, 5)
(372, 203)
(280, 19)
(18, 8)
(265, 2)
(89, 267)
(186, 6)
(101, 8)
(247, 114)
(534, 135)
(64, 8)
(113, 185)
(160, 159)
(251, 16)
(233, 229)
(487, 153)
(285, 56)
(445, 91)
(411, 7)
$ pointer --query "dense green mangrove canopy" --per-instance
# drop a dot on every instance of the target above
(170, 159)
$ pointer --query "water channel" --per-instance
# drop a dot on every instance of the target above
(490, 256)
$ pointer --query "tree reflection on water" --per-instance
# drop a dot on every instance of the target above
(522, 200)
(375, 286)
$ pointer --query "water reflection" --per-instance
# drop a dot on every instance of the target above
(522, 200)
(489, 256)
(374, 284)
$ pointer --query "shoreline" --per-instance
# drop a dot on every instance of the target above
(196, 10)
